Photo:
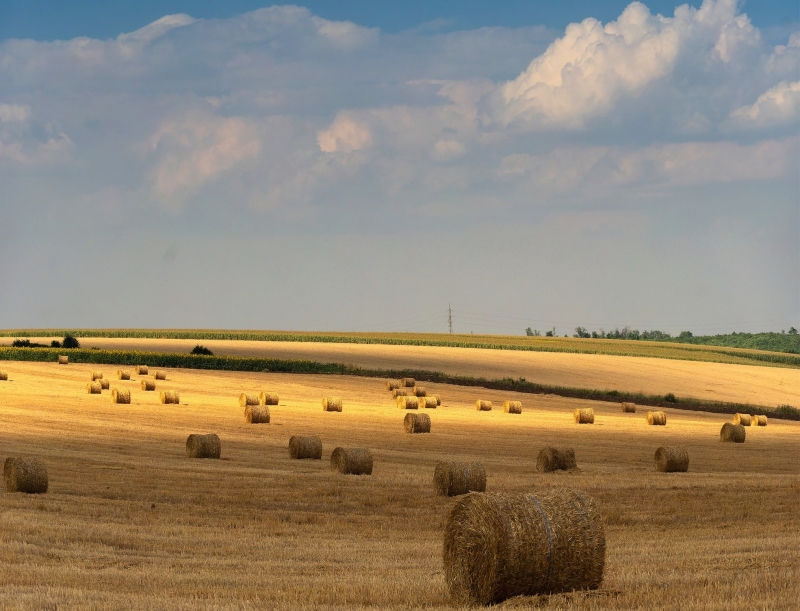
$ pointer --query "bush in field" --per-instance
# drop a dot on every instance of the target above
(198, 349)
(70, 342)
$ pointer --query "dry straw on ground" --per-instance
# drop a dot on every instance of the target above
(760, 421)
(203, 446)
(160, 375)
(93, 388)
(501, 545)
(140, 370)
(555, 459)
(331, 404)
(438, 399)
(392, 384)
(417, 423)
(428, 403)
(104, 384)
(123, 375)
(305, 446)
(672, 460)
(352, 461)
(148, 385)
(452, 478)
(97, 375)
(399, 392)
(268, 398)
(25, 475)
(3, 376)
(257, 414)
(120, 395)
(512, 407)
(407, 402)
(170, 397)
(628, 408)
(245, 400)
(584, 416)
(657, 418)
(408, 382)
(483, 406)
(743, 419)
(732, 432)
(419, 391)
(63, 360)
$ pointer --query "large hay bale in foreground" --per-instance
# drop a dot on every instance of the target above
(428, 402)
(352, 461)
(483, 406)
(25, 475)
(399, 392)
(407, 402)
(584, 416)
(743, 419)
(121, 396)
(245, 400)
(628, 408)
(672, 460)
(419, 391)
(203, 446)
(657, 418)
(454, 478)
(94, 388)
(268, 398)
(4, 376)
(308, 446)
(392, 384)
(257, 414)
(63, 360)
(148, 385)
(97, 375)
(408, 382)
(331, 404)
(512, 407)
(501, 545)
(104, 384)
(160, 375)
(760, 421)
(555, 459)
(123, 375)
(417, 423)
(732, 432)
(170, 397)
(140, 370)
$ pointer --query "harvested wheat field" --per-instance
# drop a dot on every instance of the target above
(129, 522)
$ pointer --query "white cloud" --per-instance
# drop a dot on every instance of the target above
(156, 29)
(14, 113)
(445, 150)
(777, 105)
(345, 135)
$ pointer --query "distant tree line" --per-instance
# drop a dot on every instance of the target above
(68, 342)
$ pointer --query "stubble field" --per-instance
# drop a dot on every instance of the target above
(130, 523)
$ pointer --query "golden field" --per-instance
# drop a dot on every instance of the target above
(130, 523)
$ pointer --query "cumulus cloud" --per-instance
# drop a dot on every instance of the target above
(344, 136)
(14, 113)
(777, 105)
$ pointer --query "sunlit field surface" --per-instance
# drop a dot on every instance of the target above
(130, 523)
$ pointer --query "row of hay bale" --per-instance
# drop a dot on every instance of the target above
(749, 420)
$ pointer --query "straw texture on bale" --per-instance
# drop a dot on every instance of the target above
(308, 446)
(399, 392)
(352, 461)
(331, 404)
(455, 478)
(63, 360)
(407, 402)
(245, 400)
(760, 421)
(584, 416)
(4, 376)
(417, 423)
(123, 375)
(732, 432)
(97, 375)
(148, 385)
(140, 370)
(497, 546)
(203, 446)
(657, 418)
(160, 375)
(257, 414)
(392, 384)
(629, 408)
(743, 419)
(427, 402)
(25, 475)
(419, 391)
(408, 382)
(170, 397)
(672, 460)
(93, 388)
(438, 399)
(268, 398)
(120, 395)
(104, 384)
(512, 407)
(555, 459)
(483, 406)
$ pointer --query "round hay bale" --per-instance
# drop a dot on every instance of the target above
(104, 384)
(257, 414)
(203, 446)
(628, 408)
(309, 446)
(743, 419)
(419, 391)
(554, 459)
(245, 400)
(97, 375)
(732, 432)
(331, 404)
(93, 388)
(408, 382)
(268, 398)
(170, 397)
(399, 392)
(352, 461)
(760, 421)
(160, 375)
(417, 423)
(25, 475)
(63, 360)
(657, 418)
(584, 416)
(123, 375)
(455, 478)
(512, 407)
(438, 400)
(407, 402)
(140, 370)
(497, 546)
(483, 406)
(392, 384)
(120, 395)
(4, 376)
(672, 460)
(148, 385)
(427, 402)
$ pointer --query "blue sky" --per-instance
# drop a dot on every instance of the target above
(339, 167)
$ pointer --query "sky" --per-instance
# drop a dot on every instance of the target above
(354, 166)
